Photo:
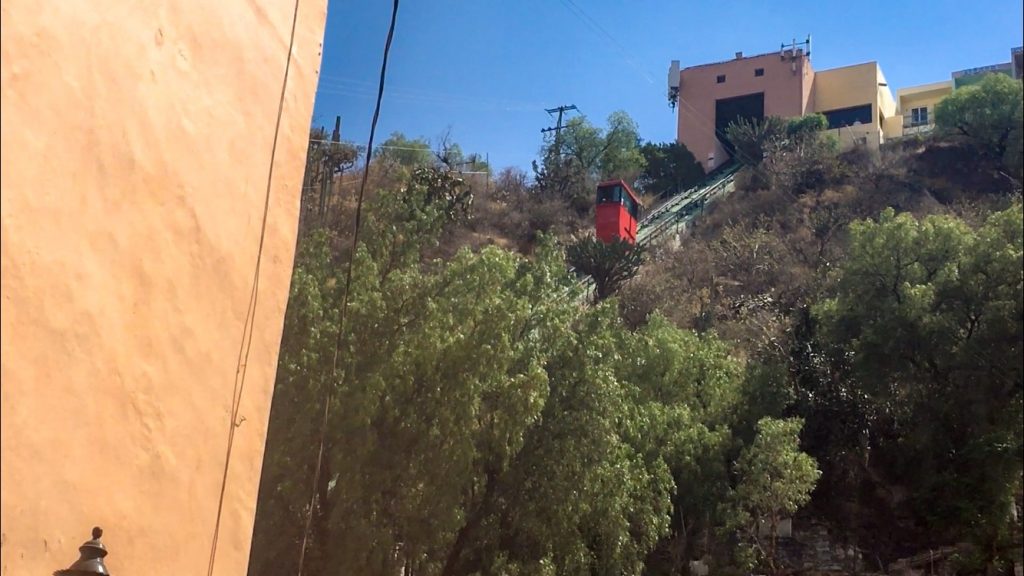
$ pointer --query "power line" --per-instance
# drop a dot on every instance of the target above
(245, 346)
(343, 83)
(357, 88)
(387, 147)
(378, 147)
(596, 26)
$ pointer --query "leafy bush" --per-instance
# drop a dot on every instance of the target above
(806, 125)
(752, 139)
(610, 264)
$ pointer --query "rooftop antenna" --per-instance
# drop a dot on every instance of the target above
(673, 84)
(790, 51)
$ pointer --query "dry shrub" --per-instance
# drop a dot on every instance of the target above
(674, 284)
(752, 179)
(741, 206)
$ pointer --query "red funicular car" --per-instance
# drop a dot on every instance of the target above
(618, 210)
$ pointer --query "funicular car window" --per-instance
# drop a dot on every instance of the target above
(630, 204)
(609, 194)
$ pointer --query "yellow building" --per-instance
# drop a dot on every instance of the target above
(137, 141)
(857, 103)
(917, 107)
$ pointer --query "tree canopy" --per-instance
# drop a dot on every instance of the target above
(483, 422)
(927, 324)
(409, 153)
(577, 157)
(486, 419)
(669, 168)
(990, 114)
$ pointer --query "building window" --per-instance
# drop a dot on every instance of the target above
(758, 71)
(728, 110)
(849, 116)
(919, 116)
(721, 79)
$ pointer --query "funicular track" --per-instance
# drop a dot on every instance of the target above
(671, 217)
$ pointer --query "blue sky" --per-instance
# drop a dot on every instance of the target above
(486, 69)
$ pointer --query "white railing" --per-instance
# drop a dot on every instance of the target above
(910, 130)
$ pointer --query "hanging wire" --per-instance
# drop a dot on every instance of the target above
(358, 88)
(342, 311)
(250, 316)
(596, 26)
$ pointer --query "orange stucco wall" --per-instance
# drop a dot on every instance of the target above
(136, 143)
(786, 85)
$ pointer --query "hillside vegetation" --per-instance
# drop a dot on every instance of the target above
(838, 340)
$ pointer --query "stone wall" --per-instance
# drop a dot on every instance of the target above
(813, 549)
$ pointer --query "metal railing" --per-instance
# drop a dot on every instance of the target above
(675, 213)
(919, 125)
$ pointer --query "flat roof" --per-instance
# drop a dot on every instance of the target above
(775, 53)
(868, 63)
(922, 88)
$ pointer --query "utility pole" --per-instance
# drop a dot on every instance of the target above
(336, 135)
(557, 128)
(327, 168)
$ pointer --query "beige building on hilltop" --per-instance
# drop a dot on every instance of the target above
(856, 100)
(137, 141)
(710, 96)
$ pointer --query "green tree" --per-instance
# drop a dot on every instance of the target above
(774, 480)
(609, 264)
(441, 190)
(397, 150)
(793, 155)
(989, 114)
(670, 168)
(567, 176)
(690, 392)
(581, 154)
(477, 425)
(622, 158)
(580, 497)
(927, 325)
